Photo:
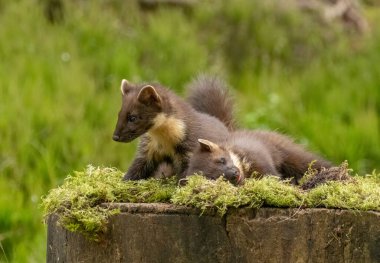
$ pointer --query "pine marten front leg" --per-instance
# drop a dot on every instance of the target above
(141, 168)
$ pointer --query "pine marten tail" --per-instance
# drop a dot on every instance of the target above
(210, 95)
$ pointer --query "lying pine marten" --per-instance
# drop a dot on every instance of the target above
(246, 152)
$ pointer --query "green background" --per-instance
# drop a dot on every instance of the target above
(59, 87)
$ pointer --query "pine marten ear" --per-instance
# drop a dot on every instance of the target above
(148, 95)
(207, 146)
(125, 86)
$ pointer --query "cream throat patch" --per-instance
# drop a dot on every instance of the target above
(165, 134)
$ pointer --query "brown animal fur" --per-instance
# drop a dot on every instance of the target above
(316, 178)
(264, 152)
(210, 95)
(169, 128)
(164, 170)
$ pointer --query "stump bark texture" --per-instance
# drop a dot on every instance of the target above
(168, 233)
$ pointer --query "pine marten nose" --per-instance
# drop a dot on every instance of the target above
(232, 174)
(116, 137)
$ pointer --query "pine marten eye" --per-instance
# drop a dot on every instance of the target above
(221, 161)
(132, 118)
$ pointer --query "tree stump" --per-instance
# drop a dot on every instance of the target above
(169, 233)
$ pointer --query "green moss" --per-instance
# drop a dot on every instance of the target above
(205, 194)
(362, 194)
(78, 201)
(270, 191)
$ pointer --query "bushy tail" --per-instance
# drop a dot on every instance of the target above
(210, 95)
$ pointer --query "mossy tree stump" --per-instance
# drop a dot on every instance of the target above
(168, 233)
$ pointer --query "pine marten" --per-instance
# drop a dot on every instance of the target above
(246, 152)
(168, 126)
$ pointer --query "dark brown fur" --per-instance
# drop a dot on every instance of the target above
(210, 95)
(264, 152)
(169, 128)
(316, 178)
(164, 170)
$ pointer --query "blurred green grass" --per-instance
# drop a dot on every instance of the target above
(59, 88)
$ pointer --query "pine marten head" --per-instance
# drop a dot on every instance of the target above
(140, 105)
(213, 160)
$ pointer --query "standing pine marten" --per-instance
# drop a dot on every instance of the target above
(246, 152)
(169, 128)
